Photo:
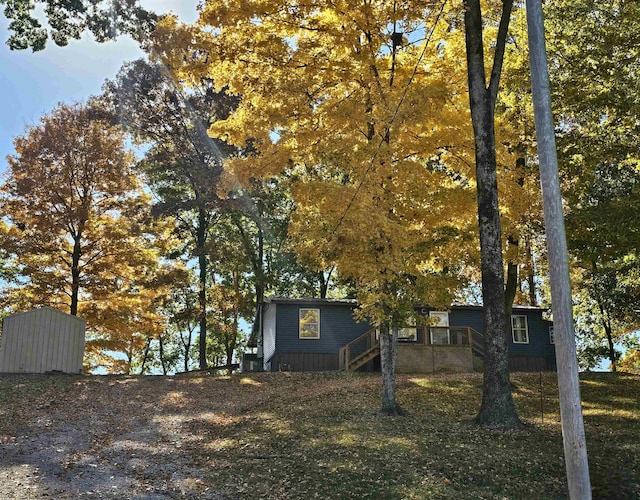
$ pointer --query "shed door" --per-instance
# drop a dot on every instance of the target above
(440, 330)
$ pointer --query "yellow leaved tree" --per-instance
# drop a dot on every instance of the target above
(363, 106)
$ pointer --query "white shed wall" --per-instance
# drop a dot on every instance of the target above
(42, 340)
(269, 334)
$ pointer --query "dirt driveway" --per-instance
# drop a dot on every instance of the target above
(103, 437)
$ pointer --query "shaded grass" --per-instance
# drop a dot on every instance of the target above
(301, 435)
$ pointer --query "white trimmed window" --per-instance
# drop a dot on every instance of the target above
(552, 337)
(519, 329)
(309, 323)
(440, 330)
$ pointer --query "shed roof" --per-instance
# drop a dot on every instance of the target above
(42, 310)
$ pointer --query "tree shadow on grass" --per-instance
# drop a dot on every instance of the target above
(295, 435)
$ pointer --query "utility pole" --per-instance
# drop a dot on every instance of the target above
(575, 447)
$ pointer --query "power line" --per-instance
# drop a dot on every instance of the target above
(389, 124)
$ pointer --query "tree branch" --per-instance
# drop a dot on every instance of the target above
(498, 57)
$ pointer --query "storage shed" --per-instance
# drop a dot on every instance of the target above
(41, 341)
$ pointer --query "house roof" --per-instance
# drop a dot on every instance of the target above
(354, 302)
(311, 301)
(461, 305)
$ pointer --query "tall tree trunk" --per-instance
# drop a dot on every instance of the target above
(255, 329)
(510, 287)
(229, 353)
(325, 280)
(610, 344)
(606, 320)
(202, 285)
(231, 344)
(75, 274)
(162, 360)
(256, 256)
(324, 285)
(129, 354)
(388, 356)
(187, 348)
(498, 408)
(531, 273)
(261, 281)
(145, 356)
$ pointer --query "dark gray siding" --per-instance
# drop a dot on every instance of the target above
(305, 362)
(549, 349)
(472, 318)
(337, 328)
(538, 345)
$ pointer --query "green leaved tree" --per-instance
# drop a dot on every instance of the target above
(595, 74)
(68, 20)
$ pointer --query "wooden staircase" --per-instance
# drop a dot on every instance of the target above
(359, 351)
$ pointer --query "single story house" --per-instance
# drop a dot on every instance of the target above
(323, 335)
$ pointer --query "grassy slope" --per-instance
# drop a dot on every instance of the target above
(291, 435)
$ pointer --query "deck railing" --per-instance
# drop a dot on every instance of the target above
(456, 335)
(360, 350)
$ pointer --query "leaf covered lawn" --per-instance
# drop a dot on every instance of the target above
(294, 435)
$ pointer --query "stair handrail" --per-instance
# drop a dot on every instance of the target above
(372, 343)
(477, 346)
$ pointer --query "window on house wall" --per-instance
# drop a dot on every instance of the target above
(309, 323)
(439, 331)
(408, 332)
(519, 329)
(552, 337)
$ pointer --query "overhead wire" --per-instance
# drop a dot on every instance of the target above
(389, 124)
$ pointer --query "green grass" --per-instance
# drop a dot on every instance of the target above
(291, 435)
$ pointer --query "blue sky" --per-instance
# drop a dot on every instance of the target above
(32, 84)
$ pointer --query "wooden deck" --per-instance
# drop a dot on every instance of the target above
(366, 348)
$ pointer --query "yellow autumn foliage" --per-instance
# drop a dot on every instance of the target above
(364, 106)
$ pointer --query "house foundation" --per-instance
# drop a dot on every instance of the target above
(434, 358)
